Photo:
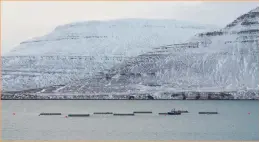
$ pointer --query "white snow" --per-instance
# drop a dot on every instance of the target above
(227, 62)
(127, 37)
(66, 54)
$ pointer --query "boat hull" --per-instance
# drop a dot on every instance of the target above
(174, 113)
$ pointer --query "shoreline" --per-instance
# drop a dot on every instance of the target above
(139, 99)
(239, 95)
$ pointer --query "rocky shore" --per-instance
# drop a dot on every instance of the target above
(238, 95)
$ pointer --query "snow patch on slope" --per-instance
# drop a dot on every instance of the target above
(127, 37)
(220, 60)
(79, 50)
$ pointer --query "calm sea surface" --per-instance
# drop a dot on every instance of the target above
(237, 120)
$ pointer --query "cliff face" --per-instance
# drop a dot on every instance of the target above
(79, 50)
(223, 60)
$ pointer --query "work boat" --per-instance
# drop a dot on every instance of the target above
(173, 112)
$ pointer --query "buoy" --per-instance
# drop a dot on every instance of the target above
(13, 113)
(249, 113)
(65, 116)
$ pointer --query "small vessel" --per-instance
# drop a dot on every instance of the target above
(174, 112)
(184, 111)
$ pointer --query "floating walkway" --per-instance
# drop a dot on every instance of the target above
(163, 113)
(208, 112)
(103, 112)
(123, 114)
(142, 112)
(49, 114)
(78, 115)
(170, 113)
(179, 112)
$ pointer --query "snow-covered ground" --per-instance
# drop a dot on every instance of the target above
(78, 50)
(126, 37)
(224, 62)
(160, 58)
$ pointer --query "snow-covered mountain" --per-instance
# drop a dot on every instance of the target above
(160, 61)
(116, 37)
(217, 61)
(79, 50)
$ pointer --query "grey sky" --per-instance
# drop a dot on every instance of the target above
(25, 20)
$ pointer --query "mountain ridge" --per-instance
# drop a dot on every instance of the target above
(71, 49)
(237, 48)
(220, 60)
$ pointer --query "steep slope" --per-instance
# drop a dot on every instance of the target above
(223, 60)
(117, 37)
(78, 50)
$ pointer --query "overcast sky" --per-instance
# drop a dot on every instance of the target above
(25, 20)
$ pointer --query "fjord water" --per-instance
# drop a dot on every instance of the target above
(237, 120)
